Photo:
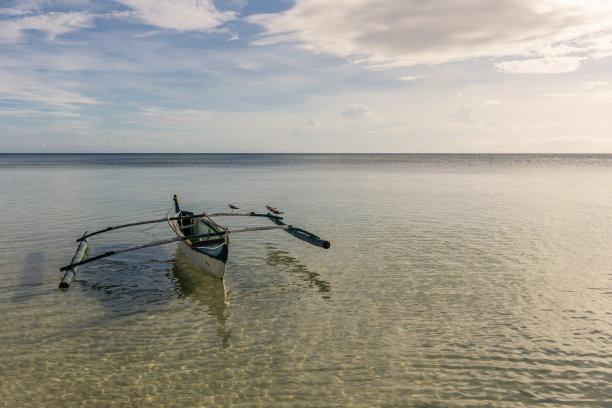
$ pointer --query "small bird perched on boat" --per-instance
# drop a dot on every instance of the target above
(232, 207)
(273, 210)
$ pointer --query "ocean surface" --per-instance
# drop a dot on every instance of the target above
(451, 281)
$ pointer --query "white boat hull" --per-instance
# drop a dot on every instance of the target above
(208, 264)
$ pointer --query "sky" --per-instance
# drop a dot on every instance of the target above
(352, 76)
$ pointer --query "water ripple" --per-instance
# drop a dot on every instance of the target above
(452, 281)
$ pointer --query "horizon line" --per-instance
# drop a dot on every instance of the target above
(322, 153)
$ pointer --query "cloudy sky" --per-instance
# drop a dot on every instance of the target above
(306, 76)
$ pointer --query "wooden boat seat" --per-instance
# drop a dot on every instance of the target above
(186, 229)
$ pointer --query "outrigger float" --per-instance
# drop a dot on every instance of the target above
(205, 242)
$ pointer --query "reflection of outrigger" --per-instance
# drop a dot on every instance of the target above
(205, 242)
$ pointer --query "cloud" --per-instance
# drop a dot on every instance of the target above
(554, 65)
(53, 95)
(180, 15)
(52, 24)
(190, 15)
(592, 85)
(310, 122)
(464, 115)
(24, 7)
(308, 128)
(600, 46)
(358, 112)
(490, 102)
(391, 33)
(178, 120)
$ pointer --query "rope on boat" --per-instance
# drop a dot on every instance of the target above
(160, 221)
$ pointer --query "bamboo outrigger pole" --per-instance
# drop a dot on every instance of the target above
(131, 224)
(249, 214)
(297, 232)
(136, 247)
(72, 270)
(79, 256)
(300, 233)
(184, 217)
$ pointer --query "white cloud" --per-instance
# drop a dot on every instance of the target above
(383, 34)
(490, 102)
(178, 120)
(13, 11)
(464, 115)
(358, 112)
(181, 15)
(548, 65)
(308, 128)
(54, 95)
(592, 85)
(600, 46)
(310, 122)
(23, 7)
(52, 24)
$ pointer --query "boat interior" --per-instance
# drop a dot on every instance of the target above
(197, 226)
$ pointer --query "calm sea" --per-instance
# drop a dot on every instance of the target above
(451, 281)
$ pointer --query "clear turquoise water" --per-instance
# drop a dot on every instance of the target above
(452, 280)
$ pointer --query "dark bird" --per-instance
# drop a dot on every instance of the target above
(233, 207)
(273, 210)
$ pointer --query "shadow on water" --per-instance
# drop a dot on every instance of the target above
(32, 277)
(192, 283)
(128, 288)
(277, 257)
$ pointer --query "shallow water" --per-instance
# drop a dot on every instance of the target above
(452, 280)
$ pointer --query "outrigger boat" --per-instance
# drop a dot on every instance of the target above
(204, 241)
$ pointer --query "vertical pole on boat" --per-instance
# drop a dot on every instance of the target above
(70, 273)
(177, 209)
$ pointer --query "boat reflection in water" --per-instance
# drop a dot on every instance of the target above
(207, 290)
(277, 257)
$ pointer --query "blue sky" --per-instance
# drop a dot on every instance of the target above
(306, 76)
